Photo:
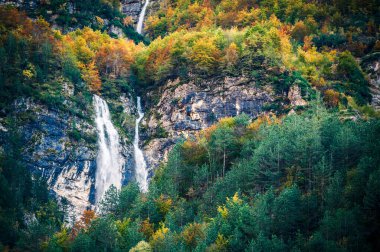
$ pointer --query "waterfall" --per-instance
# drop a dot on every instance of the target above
(140, 164)
(109, 160)
(141, 17)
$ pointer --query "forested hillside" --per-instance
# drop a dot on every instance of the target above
(305, 182)
(261, 128)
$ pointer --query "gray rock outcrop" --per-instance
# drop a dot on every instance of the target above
(295, 97)
(371, 65)
(132, 8)
(184, 109)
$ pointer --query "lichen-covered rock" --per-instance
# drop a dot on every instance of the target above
(61, 148)
(116, 31)
(132, 8)
(185, 108)
(294, 96)
(156, 152)
(371, 65)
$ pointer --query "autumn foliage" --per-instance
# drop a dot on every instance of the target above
(99, 56)
(83, 223)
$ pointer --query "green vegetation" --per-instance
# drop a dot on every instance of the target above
(31, 65)
(328, 21)
(303, 182)
(268, 47)
(307, 181)
(205, 38)
(98, 15)
(269, 50)
(27, 215)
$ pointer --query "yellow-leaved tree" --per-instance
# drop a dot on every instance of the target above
(90, 75)
(204, 54)
(158, 237)
(115, 58)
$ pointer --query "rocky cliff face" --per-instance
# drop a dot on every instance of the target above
(185, 108)
(371, 65)
(154, 6)
(132, 8)
(61, 144)
(62, 148)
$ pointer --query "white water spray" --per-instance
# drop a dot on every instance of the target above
(141, 17)
(109, 160)
(140, 164)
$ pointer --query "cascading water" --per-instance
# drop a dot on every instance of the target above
(141, 17)
(140, 164)
(109, 160)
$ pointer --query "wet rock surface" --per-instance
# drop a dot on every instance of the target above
(62, 148)
(132, 8)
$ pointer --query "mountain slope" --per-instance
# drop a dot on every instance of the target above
(259, 133)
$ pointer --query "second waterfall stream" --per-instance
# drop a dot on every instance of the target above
(141, 17)
(140, 164)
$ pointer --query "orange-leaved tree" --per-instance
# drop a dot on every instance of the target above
(115, 58)
(83, 223)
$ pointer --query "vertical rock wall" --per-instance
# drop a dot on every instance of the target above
(371, 65)
(62, 148)
(131, 8)
(185, 108)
